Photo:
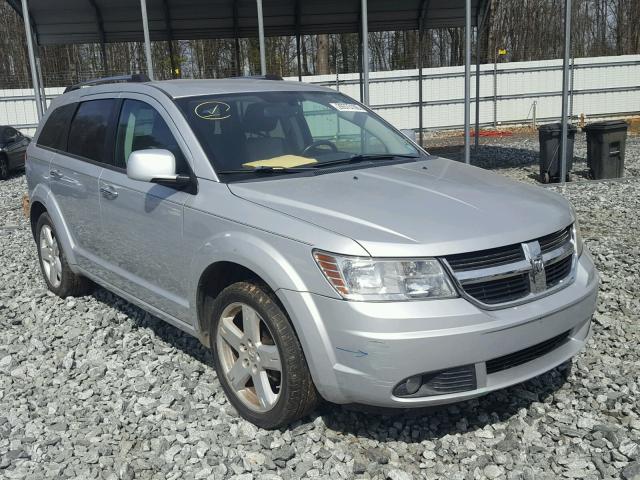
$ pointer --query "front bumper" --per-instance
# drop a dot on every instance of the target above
(358, 351)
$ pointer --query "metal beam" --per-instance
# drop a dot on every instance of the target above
(32, 59)
(263, 54)
(467, 82)
(365, 53)
(565, 90)
(147, 39)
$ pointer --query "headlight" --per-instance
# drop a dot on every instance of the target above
(577, 237)
(575, 232)
(358, 278)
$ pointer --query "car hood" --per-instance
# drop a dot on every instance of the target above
(427, 208)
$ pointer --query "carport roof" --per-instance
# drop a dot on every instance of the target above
(96, 21)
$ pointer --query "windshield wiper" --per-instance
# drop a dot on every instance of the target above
(267, 170)
(364, 157)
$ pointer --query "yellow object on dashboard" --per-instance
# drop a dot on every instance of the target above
(283, 161)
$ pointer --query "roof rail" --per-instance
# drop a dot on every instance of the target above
(268, 76)
(135, 78)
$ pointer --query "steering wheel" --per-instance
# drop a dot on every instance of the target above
(319, 143)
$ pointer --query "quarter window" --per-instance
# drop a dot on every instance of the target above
(89, 128)
(141, 127)
(54, 132)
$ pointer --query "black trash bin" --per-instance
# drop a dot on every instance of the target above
(550, 140)
(606, 143)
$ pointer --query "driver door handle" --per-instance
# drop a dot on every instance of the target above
(55, 174)
(109, 192)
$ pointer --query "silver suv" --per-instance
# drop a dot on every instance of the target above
(315, 249)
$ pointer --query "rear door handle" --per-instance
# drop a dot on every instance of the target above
(55, 173)
(109, 192)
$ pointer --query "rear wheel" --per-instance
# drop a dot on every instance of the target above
(60, 279)
(4, 167)
(258, 357)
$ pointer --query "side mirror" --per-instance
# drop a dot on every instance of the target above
(154, 165)
(410, 134)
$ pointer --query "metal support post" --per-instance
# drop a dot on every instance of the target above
(147, 38)
(263, 54)
(420, 88)
(477, 127)
(565, 90)
(365, 53)
(467, 82)
(32, 59)
(298, 40)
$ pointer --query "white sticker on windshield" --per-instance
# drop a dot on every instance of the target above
(347, 107)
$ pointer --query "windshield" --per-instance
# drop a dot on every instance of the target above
(283, 132)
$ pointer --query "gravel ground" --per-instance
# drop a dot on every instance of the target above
(94, 387)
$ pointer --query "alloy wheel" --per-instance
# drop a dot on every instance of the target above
(50, 255)
(249, 357)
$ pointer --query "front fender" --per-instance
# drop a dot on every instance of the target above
(286, 275)
(296, 271)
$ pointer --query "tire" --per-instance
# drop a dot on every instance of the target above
(287, 396)
(4, 167)
(60, 279)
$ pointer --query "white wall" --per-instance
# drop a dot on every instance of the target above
(603, 86)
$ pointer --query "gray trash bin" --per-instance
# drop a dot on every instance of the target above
(606, 143)
(550, 135)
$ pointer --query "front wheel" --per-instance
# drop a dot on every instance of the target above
(258, 357)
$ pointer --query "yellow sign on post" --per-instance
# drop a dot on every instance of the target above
(502, 51)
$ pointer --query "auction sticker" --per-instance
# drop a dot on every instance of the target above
(213, 110)
(347, 107)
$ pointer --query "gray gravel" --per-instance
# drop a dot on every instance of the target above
(517, 156)
(93, 387)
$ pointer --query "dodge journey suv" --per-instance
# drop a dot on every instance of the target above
(318, 251)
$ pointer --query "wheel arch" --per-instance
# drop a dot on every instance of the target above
(213, 280)
(36, 209)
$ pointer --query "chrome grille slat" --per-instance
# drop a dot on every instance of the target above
(552, 241)
(493, 258)
(503, 276)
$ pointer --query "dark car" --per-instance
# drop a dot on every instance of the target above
(13, 145)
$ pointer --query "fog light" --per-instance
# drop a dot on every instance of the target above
(413, 384)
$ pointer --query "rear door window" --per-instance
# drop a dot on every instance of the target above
(54, 132)
(89, 132)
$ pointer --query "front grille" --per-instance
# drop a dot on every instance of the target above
(486, 258)
(500, 276)
(499, 291)
(528, 354)
(555, 240)
(556, 272)
(442, 382)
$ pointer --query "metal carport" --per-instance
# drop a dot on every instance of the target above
(102, 21)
